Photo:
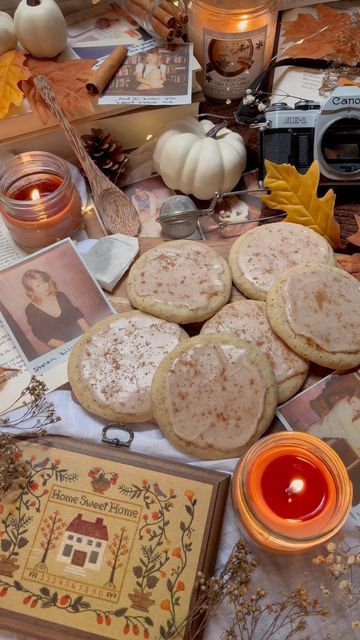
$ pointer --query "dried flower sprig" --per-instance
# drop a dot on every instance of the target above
(38, 413)
(340, 563)
(249, 609)
(12, 467)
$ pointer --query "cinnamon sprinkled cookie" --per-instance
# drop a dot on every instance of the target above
(315, 309)
(214, 395)
(111, 366)
(247, 320)
(180, 281)
(262, 254)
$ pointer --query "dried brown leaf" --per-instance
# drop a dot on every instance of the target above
(67, 80)
(331, 34)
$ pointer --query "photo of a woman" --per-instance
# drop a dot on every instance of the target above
(151, 74)
(51, 315)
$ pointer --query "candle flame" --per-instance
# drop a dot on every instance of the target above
(243, 24)
(295, 486)
(35, 194)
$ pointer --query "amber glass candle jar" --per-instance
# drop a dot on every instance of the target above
(233, 41)
(291, 492)
(38, 200)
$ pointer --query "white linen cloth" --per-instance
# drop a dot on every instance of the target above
(277, 574)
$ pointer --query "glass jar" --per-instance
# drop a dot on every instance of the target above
(162, 19)
(291, 492)
(233, 42)
(38, 199)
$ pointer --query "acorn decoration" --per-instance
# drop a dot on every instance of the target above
(106, 153)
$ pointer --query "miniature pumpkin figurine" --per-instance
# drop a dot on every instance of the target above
(199, 158)
(8, 39)
(40, 28)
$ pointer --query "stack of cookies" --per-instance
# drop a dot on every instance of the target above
(214, 394)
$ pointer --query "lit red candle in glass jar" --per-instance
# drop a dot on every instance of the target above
(291, 492)
(38, 200)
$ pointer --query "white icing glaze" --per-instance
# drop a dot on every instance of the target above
(215, 396)
(119, 362)
(270, 249)
(247, 320)
(187, 274)
(323, 305)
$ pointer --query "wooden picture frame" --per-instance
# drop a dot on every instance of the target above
(146, 524)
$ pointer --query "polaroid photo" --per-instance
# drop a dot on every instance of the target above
(240, 213)
(330, 410)
(47, 301)
(147, 195)
(107, 24)
(153, 75)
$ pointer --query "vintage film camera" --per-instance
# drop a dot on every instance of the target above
(328, 133)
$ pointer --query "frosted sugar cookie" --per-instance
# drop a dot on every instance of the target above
(260, 255)
(180, 281)
(214, 395)
(111, 366)
(315, 309)
(247, 320)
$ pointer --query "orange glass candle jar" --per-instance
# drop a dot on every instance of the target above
(38, 200)
(291, 492)
(233, 41)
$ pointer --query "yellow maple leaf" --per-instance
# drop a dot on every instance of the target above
(296, 194)
(11, 72)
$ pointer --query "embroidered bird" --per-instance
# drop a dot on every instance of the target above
(158, 491)
(42, 464)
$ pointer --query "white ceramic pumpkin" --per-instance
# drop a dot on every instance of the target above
(198, 158)
(8, 39)
(40, 27)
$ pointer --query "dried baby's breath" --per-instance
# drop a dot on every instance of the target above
(249, 607)
(38, 411)
(340, 568)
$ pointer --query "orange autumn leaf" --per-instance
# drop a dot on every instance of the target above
(346, 82)
(296, 194)
(67, 80)
(329, 34)
(12, 71)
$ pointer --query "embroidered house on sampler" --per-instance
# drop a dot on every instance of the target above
(83, 544)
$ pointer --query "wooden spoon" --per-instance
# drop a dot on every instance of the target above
(113, 206)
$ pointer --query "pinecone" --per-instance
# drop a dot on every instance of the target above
(106, 153)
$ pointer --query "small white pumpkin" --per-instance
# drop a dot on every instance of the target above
(198, 158)
(40, 27)
(8, 39)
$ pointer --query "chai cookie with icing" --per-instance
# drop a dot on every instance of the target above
(315, 309)
(180, 281)
(111, 366)
(262, 254)
(214, 395)
(247, 319)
